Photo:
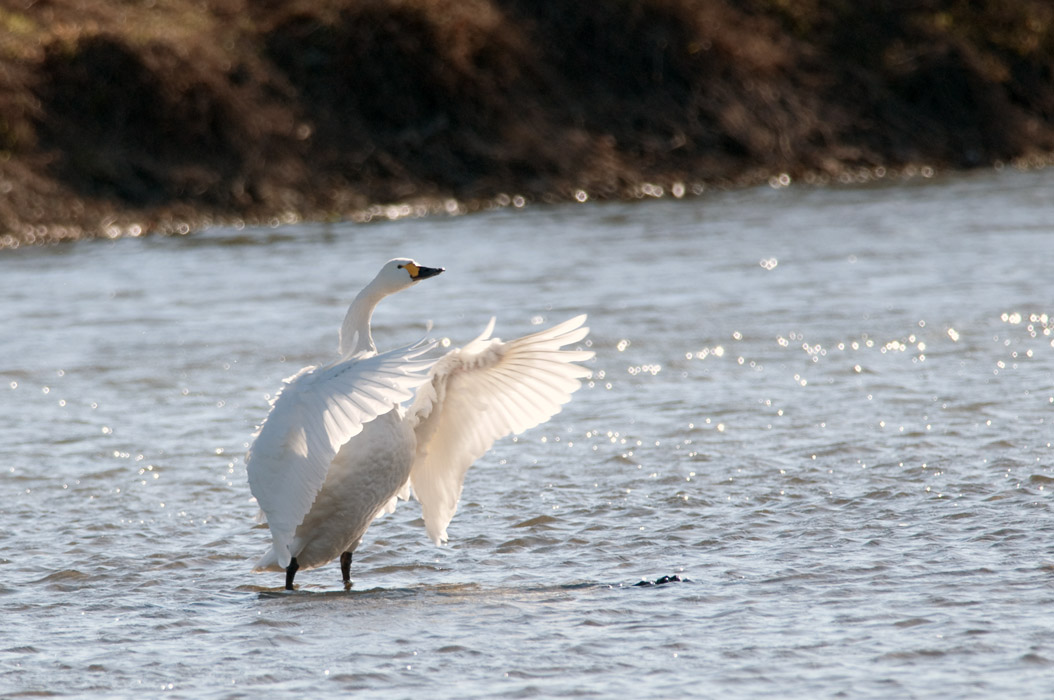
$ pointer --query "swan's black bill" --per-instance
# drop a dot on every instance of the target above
(424, 273)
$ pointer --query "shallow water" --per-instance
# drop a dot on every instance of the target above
(831, 410)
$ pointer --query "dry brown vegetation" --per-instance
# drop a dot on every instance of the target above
(138, 115)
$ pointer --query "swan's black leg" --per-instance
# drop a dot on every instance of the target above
(290, 572)
(345, 569)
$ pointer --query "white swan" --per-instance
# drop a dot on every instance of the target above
(338, 447)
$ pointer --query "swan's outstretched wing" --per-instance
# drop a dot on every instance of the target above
(482, 392)
(318, 410)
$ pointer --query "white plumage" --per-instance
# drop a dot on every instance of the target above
(339, 447)
(480, 393)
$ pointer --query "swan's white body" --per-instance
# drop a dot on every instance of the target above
(363, 482)
(339, 447)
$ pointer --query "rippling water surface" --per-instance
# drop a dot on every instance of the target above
(830, 410)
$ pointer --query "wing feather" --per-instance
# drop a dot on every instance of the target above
(317, 411)
(482, 392)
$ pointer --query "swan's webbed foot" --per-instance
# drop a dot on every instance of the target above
(290, 572)
(345, 569)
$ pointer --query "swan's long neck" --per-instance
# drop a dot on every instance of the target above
(355, 334)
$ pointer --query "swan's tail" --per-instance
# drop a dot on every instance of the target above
(268, 562)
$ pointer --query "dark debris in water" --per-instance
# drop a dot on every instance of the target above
(663, 580)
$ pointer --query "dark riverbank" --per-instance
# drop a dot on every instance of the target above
(165, 115)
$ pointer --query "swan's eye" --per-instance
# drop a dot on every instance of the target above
(400, 267)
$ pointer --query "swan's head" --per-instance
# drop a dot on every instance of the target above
(400, 273)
